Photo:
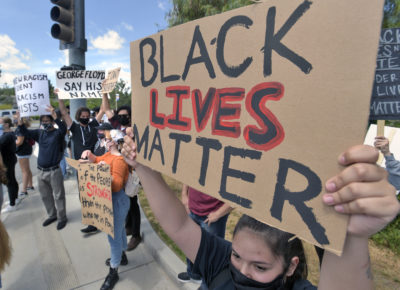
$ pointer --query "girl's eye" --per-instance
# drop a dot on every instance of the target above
(235, 255)
(260, 268)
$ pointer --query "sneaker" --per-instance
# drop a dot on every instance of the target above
(111, 279)
(184, 277)
(9, 208)
(124, 260)
(89, 230)
(18, 201)
(22, 195)
(30, 188)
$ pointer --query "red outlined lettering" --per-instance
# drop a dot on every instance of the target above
(176, 120)
(156, 119)
(202, 107)
(227, 111)
(270, 132)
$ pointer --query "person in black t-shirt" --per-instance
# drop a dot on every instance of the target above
(8, 148)
(84, 136)
(261, 257)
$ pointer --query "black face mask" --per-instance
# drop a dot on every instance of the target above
(123, 120)
(243, 283)
(84, 121)
(101, 136)
(47, 126)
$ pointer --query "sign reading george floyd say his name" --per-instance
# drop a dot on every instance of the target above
(32, 94)
(79, 84)
(254, 105)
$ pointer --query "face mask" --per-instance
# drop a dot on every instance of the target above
(47, 126)
(84, 121)
(123, 119)
(244, 283)
(101, 136)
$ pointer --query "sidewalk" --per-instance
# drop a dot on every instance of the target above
(44, 258)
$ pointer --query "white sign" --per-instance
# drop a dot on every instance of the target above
(79, 84)
(32, 94)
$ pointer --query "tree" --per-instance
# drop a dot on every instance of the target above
(187, 10)
(391, 10)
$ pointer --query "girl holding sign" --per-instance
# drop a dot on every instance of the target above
(262, 257)
(120, 201)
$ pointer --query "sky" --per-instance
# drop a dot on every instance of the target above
(26, 45)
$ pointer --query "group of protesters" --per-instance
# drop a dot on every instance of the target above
(259, 257)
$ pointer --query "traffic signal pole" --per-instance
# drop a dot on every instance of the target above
(70, 30)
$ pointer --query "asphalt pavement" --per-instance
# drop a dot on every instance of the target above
(44, 258)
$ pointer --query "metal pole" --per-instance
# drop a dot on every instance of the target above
(76, 56)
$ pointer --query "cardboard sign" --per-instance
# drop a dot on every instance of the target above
(385, 103)
(32, 94)
(253, 106)
(79, 84)
(111, 80)
(393, 135)
(95, 195)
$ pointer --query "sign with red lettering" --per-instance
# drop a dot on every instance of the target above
(95, 195)
(254, 105)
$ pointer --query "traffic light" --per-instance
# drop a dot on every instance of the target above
(64, 14)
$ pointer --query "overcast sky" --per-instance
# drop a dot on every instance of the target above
(26, 45)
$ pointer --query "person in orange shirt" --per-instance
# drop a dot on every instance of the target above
(119, 172)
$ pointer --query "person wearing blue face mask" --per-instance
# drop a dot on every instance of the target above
(50, 178)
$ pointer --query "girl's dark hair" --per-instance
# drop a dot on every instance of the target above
(8, 121)
(48, 116)
(128, 108)
(79, 112)
(282, 244)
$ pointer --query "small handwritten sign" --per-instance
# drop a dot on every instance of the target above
(95, 195)
(32, 94)
(79, 84)
(111, 80)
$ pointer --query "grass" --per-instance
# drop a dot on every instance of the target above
(384, 246)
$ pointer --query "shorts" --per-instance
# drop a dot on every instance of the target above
(23, 156)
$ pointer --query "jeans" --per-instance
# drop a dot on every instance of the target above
(217, 228)
(120, 203)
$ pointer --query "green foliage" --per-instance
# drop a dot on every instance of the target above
(391, 17)
(390, 236)
(188, 10)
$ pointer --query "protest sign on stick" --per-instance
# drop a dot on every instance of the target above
(385, 102)
(253, 106)
(79, 84)
(32, 94)
(95, 195)
(111, 80)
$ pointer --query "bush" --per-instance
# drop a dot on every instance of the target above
(390, 236)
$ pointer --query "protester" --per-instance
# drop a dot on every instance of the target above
(8, 148)
(84, 136)
(50, 179)
(210, 214)
(119, 173)
(122, 120)
(392, 165)
(261, 256)
(24, 152)
(100, 148)
(5, 249)
(3, 179)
